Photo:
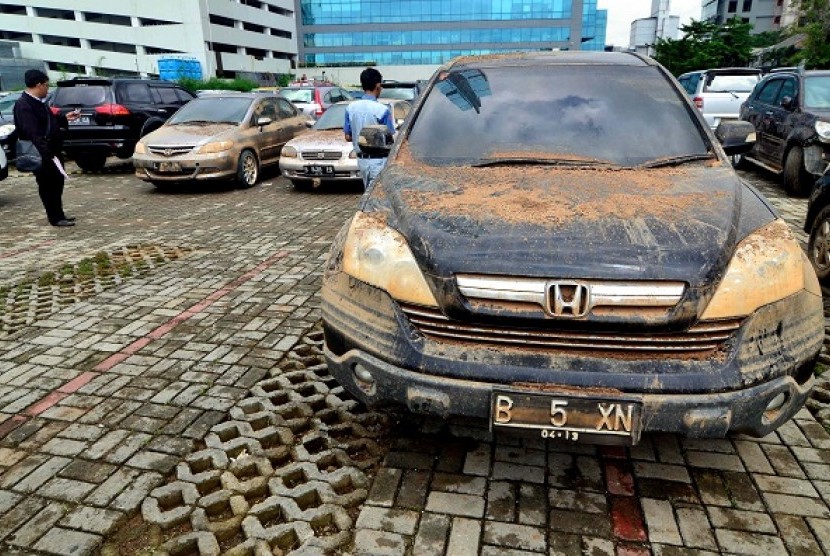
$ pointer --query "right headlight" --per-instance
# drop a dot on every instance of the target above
(767, 266)
(823, 130)
(289, 152)
(6, 130)
(378, 255)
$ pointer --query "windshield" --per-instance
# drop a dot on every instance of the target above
(817, 92)
(619, 115)
(80, 95)
(333, 118)
(297, 95)
(7, 102)
(733, 83)
(399, 93)
(213, 110)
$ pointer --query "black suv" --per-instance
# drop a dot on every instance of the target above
(115, 113)
(791, 114)
(402, 90)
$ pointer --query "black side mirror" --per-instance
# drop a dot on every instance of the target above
(788, 103)
(736, 137)
(375, 140)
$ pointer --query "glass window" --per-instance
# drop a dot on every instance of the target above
(788, 89)
(817, 92)
(747, 5)
(286, 109)
(167, 95)
(401, 110)
(80, 95)
(604, 113)
(333, 118)
(736, 83)
(136, 92)
(184, 96)
(732, 7)
(298, 95)
(769, 93)
(215, 109)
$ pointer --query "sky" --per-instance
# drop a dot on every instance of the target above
(622, 12)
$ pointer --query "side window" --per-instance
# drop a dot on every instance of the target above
(401, 110)
(286, 109)
(265, 109)
(136, 92)
(788, 89)
(167, 94)
(684, 82)
(327, 98)
(691, 86)
(184, 96)
(769, 93)
(338, 95)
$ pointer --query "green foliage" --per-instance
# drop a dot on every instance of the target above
(814, 24)
(766, 39)
(706, 45)
(284, 79)
(215, 83)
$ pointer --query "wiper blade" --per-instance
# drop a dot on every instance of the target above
(569, 162)
(676, 160)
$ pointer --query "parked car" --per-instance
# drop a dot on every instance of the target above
(403, 90)
(218, 137)
(719, 93)
(313, 100)
(791, 115)
(115, 113)
(8, 136)
(592, 280)
(4, 165)
(817, 224)
(323, 154)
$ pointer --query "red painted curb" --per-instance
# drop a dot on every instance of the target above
(626, 519)
(618, 478)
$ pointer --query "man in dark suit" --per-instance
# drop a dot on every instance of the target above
(34, 121)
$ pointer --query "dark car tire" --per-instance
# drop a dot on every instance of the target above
(798, 182)
(738, 161)
(818, 246)
(150, 126)
(91, 162)
(4, 172)
(247, 169)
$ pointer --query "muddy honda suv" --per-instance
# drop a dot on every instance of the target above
(587, 276)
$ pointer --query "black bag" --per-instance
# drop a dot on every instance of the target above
(28, 158)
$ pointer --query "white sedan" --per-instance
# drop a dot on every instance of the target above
(323, 154)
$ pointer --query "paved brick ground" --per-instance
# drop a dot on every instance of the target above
(106, 403)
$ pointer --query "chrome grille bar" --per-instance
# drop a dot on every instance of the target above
(170, 150)
(326, 155)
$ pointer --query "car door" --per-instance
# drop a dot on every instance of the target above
(270, 137)
(167, 103)
(138, 99)
(761, 113)
(780, 123)
(292, 120)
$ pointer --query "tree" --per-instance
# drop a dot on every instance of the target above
(814, 24)
(706, 45)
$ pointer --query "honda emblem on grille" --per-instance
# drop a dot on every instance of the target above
(568, 299)
(168, 152)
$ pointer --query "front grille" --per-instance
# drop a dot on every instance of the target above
(701, 339)
(321, 155)
(170, 151)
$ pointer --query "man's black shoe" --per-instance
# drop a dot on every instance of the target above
(63, 223)
(70, 218)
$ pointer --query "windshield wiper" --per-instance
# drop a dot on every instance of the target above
(194, 122)
(676, 160)
(569, 162)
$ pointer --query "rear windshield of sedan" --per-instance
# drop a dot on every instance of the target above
(333, 118)
(298, 95)
(80, 95)
(213, 109)
(732, 83)
(817, 92)
(619, 115)
(397, 93)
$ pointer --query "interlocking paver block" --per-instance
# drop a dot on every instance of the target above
(39, 524)
(92, 520)
(388, 519)
(464, 537)
(66, 542)
(455, 504)
(510, 535)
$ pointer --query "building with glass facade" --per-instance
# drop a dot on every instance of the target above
(409, 32)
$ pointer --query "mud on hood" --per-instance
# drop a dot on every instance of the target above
(678, 223)
(188, 134)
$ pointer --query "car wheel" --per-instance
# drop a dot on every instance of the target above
(818, 247)
(91, 162)
(247, 169)
(302, 185)
(738, 161)
(798, 182)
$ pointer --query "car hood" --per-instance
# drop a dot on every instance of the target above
(321, 139)
(677, 223)
(188, 134)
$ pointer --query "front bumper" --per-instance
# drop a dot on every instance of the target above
(378, 356)
(345, 169)
(149, 167)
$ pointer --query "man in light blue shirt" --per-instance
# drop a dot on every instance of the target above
(363, 112)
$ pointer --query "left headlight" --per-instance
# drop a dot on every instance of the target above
(767, 266)
(6, 130)
(823, 130)
(215, 147)
(140, 148)
(378, 255)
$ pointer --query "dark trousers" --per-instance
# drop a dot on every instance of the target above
(50, 188)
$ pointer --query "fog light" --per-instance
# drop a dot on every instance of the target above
(777, 402)
(363, 374)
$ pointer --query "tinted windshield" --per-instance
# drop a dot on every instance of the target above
(734, 83)
(333, 118)
(297, 95)
(619, 115)
(213, 109)
(817, 92)
(400, 93)
(80, 95)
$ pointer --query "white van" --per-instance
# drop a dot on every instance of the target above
(719, 93)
